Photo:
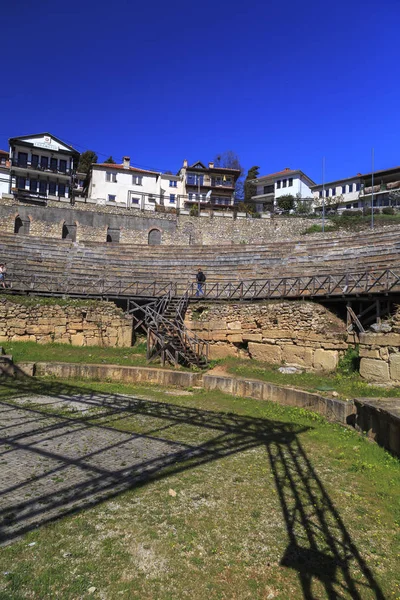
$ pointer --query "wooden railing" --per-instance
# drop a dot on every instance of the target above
(340, 284)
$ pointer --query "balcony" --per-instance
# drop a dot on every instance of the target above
(38, 167)
(216, 182)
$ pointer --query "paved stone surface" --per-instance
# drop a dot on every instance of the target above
(51, 465)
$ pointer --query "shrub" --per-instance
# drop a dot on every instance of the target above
(388, 210)
(350, 361)
(351, 213)
(368, 211)
(194, 210)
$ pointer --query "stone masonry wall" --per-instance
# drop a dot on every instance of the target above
(79, 323)
(93, 220)
(380, 353)
(299, 333)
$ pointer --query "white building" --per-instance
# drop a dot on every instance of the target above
(42, 166)
(129, 187)
(287, 182)
(4, 173)
(356, 192)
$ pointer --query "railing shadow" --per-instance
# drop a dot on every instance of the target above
(55, 464)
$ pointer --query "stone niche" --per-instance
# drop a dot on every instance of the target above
(76, 322)
(298, 333)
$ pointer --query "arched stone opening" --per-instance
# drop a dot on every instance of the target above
(154, 237)
(69, 232)
(113, 234)
(21, 226)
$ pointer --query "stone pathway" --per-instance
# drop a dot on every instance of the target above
(52, 465)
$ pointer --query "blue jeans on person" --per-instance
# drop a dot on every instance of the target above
(199, 289)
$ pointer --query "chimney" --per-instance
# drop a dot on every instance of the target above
(126, 162)
(185, 163)
(210, 165)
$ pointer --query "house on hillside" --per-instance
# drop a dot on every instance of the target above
(210, 185)
(129, 187)
(356, 192)
(287, 182)
(4, 172)
(42, 166)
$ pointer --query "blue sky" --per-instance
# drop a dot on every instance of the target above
(282, 84)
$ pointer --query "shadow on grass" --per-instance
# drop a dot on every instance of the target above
(55, 464)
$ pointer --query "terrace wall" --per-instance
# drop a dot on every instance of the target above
(79, 323)
(300, 333)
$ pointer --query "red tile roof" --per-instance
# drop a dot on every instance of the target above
(4, 152)
(111, 166)
(286, 171)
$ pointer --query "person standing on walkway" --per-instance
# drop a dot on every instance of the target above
(200, 278)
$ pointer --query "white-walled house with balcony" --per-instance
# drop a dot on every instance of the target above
(356, 192)
(41, 167)
(269, 188)
(4, 172)
(129, 187)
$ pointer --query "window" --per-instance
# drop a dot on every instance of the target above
(53, 164)
(22, 159)
(284, 182)
(358, 187)
(343, 189)
(320, 193)
(334, 191)
(137, 179)
(111, 197)
(43, 187)
(194, 179)
(61, 189)
(135, 200)
(33, 184)
(21, 183)
(350, 187)
(172, 183)
(63, 166)
(290, 182)
(268, 189)
(355, 204)
(172, 198)
(52, 188)
(35, 160)
(191, 196)
(278, 185)
(111, 177)
(44, 162)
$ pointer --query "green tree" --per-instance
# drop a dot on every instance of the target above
(250, 187)
(286, 202)
(110, 161)
(86, 160)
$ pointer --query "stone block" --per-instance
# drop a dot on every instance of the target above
(369, 353)
(252, 337)
(235, 338)
(326, 360)
(234, 325)
(265, 352)
(78, 339)
(380, 339)
(394, 366)
(374, 370)
(222, 351)
(298, 355)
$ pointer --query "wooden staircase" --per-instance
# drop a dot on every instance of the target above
(167, 335)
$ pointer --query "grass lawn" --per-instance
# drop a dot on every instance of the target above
(348, 386)
(33, 352)
(254, 500)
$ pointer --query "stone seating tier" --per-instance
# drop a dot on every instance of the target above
(31, 255)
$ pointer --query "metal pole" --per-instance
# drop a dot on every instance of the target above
(323, 194)
(372, 200)
(198, 202)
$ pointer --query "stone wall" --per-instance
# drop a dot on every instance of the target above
(93, 221)
(80, 323)
(296, 333)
